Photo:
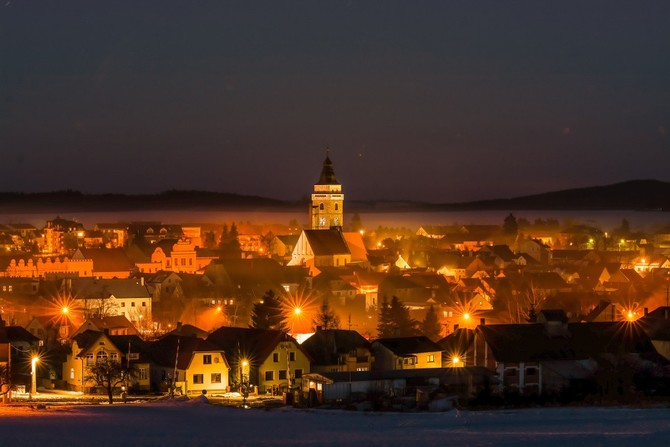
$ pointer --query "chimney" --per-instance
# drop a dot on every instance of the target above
(455, 327)
(482, 321)
(319, 328)
(178, 325)
(142, 280)
(646, 311)
(105, 331)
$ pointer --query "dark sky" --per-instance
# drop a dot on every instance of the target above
(441, 101)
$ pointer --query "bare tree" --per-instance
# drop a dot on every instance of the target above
(108, 374)
(100, 307)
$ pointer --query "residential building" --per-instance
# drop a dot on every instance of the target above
(271, 360)
(338, 350)
(406, 353)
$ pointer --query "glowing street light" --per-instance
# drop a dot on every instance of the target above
(466, 316)
(65, 310)
(33, 373)
(297, 310)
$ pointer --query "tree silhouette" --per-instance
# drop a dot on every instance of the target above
(107, 374)
(510, 226)
(384, 325)
(395, 320)
(431, 326)
(229, 243)
(405, 325)
(326, 318)
(268, 314)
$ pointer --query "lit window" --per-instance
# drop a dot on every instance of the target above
(142, 374)
(198, 378)
(216, 378)
(71, 373)
(431, 358)
(101, 357)
(207, 359)
(114, 356)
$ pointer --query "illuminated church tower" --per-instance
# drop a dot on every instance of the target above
(327, 200)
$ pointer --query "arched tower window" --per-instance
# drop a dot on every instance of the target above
(321, 206)
(337, 207)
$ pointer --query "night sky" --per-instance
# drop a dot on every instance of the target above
(442, 101)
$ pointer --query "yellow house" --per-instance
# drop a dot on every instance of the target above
(270, 360)
(88, 348)
(191, 363)
(92, 346)
(207, 370)
(406, 353)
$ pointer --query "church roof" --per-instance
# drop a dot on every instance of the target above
(327, 242)
(327, 173)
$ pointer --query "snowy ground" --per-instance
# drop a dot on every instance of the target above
(197, 423)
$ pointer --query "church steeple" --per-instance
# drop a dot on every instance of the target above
(327, 172)
(327, 199)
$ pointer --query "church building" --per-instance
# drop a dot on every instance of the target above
(326, 210)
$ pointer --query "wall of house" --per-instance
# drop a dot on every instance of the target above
(75, 367)
(277, 362)
(212, 373)
(142, 376)
(662, 347)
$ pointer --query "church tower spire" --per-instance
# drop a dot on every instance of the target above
(326, 210)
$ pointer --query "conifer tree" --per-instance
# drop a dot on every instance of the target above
(403, 324)
(384, 326)
(229, 243)
(326, 318)
(431, 326)
(268, 314)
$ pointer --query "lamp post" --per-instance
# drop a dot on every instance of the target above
(33, 376)
(244, 382)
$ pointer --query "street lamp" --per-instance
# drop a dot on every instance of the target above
(244, 381)
(33, 375)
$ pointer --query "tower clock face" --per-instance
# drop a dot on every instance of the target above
(322, 221)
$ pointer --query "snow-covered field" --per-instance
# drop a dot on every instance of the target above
(197, 423)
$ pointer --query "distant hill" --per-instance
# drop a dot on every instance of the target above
(631, 195)
(63, 201)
